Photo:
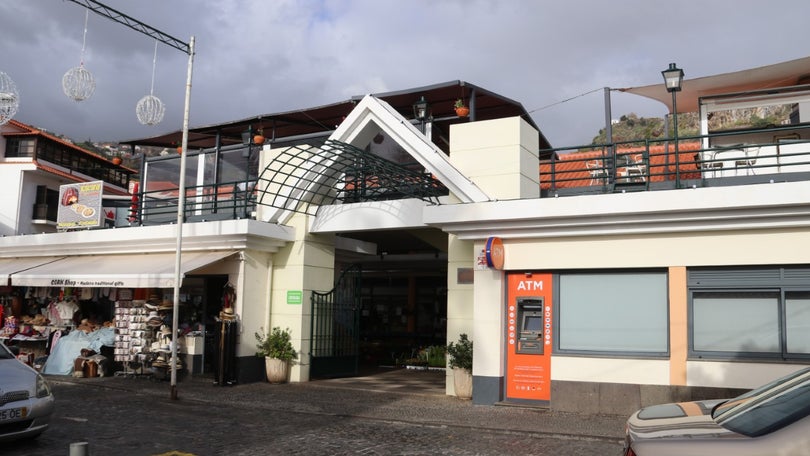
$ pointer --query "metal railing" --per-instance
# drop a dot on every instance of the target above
(221, 201)
(722, 159)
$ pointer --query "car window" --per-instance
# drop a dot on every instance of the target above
(4, 353)
(768, 408)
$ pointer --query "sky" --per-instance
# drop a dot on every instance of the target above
(258, 57)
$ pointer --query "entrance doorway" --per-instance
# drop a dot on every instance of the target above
(401, 297)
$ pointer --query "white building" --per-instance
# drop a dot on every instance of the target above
(638, 275)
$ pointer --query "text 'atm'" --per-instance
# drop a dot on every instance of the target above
(530, 326)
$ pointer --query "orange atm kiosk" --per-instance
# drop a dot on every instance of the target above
(528, 332)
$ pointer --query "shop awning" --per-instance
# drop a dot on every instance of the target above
(148, 270)
(9, 266)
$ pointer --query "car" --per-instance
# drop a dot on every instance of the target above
(26, 401)
(773, 419)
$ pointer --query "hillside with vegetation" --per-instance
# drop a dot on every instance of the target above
(631, 127)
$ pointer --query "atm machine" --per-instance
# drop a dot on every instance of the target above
(529, 326)
(528, 333)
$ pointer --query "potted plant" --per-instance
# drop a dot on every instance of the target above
(460, 359)
(461, 109)
(278, 352)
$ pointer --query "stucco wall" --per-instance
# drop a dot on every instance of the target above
(306, 264)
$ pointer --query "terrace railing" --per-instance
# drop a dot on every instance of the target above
(722, 159)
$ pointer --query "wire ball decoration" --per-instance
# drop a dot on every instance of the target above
(78, 83)
(150, 110)
(9, 98)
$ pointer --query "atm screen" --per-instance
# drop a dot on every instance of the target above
(533, 323)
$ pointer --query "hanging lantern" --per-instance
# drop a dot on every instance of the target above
(258, 139)
(9, 98)
(78, 83)
(150, 110)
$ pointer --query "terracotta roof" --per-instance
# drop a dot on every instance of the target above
(108, 190)
(33, 131)
(571, 169)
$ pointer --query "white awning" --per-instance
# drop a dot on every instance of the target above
(785, 74)
(9, 266)
(148, 270)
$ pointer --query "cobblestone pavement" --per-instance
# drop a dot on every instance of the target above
(136, 416)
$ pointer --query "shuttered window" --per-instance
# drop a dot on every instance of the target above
(749, 313)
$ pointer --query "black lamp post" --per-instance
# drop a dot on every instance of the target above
(673, 78)
(421, 111)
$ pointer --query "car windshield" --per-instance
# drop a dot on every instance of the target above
(767, 408)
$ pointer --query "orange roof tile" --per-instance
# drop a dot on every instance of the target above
(571, 169)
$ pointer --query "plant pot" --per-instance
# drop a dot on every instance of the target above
(462, 383)
(116, 161)
(463, 111)
(277, 370)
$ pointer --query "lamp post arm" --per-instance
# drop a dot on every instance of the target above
(134, 24)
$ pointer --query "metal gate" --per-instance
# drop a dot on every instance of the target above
(335, 328)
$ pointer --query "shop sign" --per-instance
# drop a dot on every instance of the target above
(80, 205)
(295, 297)
(494, 252)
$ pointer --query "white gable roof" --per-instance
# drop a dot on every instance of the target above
(372, 116)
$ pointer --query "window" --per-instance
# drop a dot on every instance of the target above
(613, 313)
(17, 147)
(797, 322)
(735, 321)
(750, 313)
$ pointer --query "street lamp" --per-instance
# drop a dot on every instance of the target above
(187, 48)
(420, 109)
(673, 78)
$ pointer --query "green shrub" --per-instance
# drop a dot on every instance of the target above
(461, 353)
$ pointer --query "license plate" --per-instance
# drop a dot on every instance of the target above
(13, 414)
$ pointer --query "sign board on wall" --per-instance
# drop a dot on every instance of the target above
(80, 205)
(295, 297)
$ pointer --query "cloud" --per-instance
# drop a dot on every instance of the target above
(258, 56)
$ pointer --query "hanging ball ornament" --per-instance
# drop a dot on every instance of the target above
(150, 110)
(9, 98)
(78, 83)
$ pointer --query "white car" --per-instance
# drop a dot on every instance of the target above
(771, 420)
(26, 402)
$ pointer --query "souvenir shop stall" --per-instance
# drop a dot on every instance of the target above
(89, 332)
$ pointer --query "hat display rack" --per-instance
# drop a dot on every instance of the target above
(150, 109)
(78, 83)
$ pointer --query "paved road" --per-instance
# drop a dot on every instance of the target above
(126, 416)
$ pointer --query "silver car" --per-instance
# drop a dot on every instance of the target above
(771, 420)
(26, 402)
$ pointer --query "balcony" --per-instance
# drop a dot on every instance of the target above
(752, 156)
